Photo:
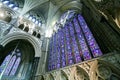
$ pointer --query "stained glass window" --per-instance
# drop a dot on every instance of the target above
(63, 56)
(11, 63)
(68, 47)
(4, 63)
(81, 40)
(53, 54)
(50, 53)
(90, 39)
(72, 43)
(15, 67)
(58, 50)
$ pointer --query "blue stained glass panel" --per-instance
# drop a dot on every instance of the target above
(15, 67)
(81, 40)
(10, 65)
(68, 47)
(90, 39)
(6, 60)
(74, 44)
(63, 58)
(71, 14)
(58, 51)
(71, 44)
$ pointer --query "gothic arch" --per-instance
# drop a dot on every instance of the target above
(42, 78)
(114, 77)
(117, 16)
(18, 50)
(51, 77)
(34, 33)
(81, 74)
(64, 75)
(21, 26)
(70, 5)
(35, 43)
(26, 29)
(38, 35)
(104, 70)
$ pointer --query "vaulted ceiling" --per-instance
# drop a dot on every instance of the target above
(48, 10)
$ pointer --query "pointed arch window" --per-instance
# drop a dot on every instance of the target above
(72, 43)
(89, 37)
(4, 63)
(11, 63)
(14, 69)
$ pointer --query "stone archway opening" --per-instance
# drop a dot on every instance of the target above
(22, 49)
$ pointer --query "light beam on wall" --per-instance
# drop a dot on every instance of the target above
(48, 33)
(1, 14)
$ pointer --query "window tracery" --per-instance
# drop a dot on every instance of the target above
(71, 44)
(11, 63)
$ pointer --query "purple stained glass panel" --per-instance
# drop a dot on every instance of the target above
(10, 65)
(81, 40)
(68, 48)
(90, 39)
(6, 60)
(58, 51)
(70, 61)
(71, 43)
(15, 67)
(58, 65)
(74, 44)
(63, 56)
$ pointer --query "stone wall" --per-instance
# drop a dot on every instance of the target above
(106, 67)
